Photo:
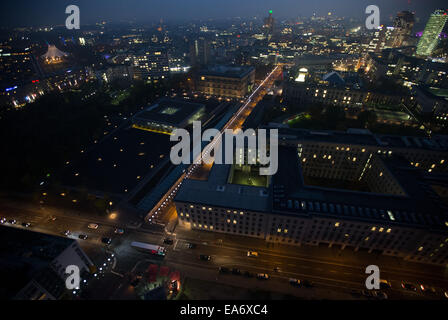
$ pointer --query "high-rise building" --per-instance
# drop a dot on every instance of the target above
(200, 52)
(403, 24)
(430, 38)
(269, 23)
(151, 64)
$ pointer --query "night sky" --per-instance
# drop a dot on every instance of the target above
(52, 12)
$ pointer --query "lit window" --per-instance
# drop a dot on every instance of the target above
(373, 229)
(336, 224)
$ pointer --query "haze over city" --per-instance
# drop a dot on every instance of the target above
(231, 158)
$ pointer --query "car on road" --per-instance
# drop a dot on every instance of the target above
(428, 289)
(119, 231)
(385, 284)
(367, 293)
(82, 236)
(66, 233)
(379, 295)
(295, 282)
(106, 240)
(204, 257)
(26, 224)
(236, 271)
(168, 241)
(12, 221)
(191, 245)
(93, 226)
(262, 276)
(252, 254)
(135, 281)
(223, 270)
(308, 283)
(2, 220)
(52, 219)
(248, 274)
(408, 286)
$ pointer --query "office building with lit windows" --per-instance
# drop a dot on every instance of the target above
(151, 64)
(430, 37)
(226, 81)
(351, 190)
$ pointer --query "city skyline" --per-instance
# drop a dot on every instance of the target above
(53, 12)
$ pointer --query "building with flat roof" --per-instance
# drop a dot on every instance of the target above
(352, 189)
(33, 264)
(168, 114)
(226, 81)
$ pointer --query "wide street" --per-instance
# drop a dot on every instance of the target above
(329, 268)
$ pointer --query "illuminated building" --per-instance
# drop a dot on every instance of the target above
(354, 191)
(403, 24)
(430, 37)
(226, 81)
(53, 55)
(269, 24)
(151, 64)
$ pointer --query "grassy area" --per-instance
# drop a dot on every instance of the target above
(249, 178)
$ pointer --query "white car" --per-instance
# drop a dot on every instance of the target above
(2, 220)
(93, 226)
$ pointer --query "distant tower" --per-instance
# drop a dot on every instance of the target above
(430, 38)
(269, 23)
(403, 24)
(200, 51)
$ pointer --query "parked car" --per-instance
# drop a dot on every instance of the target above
(236, 271)
(2, 220)
(263, 276)
(367, 293)
(66, 233)
(82, 236)
(379, 295)
(248, 274)
(12, 221)
(168, 241)
(191, 245)
(204, 257)
(295, 282)
(252, 254)
(93, 226)
(26, 224)
(408, 286)
(223, 270)
(106, 240)
(384, 284)
(119, 231)
(308, 283)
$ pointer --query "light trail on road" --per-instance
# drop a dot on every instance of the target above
(169, 196)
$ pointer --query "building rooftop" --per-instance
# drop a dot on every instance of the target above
(169, 111)
(227, 71)
(366, 138)
(217, 192)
